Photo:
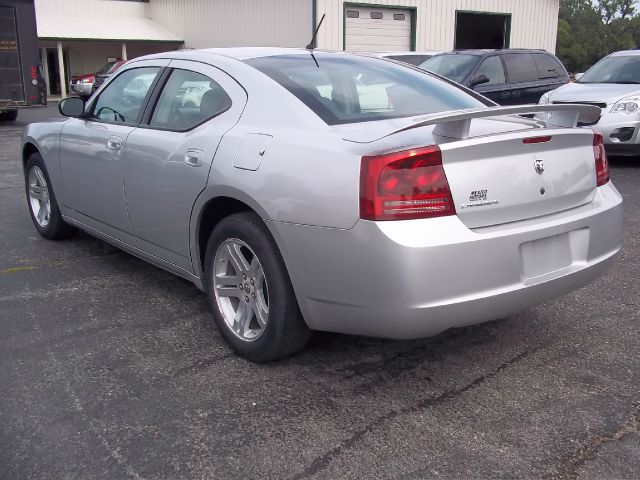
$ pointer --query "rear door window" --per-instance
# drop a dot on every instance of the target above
(350, 88)
(187, 100)
(520, 67)
(548, 66)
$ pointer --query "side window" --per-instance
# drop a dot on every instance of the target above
(493, 69)
(520, 67)
(548, 66)
(188, 99)
(122, 100)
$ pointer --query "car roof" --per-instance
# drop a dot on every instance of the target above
(487, 51)
(626, 53)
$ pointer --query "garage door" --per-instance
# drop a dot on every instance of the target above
(374, 29)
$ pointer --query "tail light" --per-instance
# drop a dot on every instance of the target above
(602, 164)
(405, 185)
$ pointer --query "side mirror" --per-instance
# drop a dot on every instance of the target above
(71, 106)
(578, 76)
(480, 80)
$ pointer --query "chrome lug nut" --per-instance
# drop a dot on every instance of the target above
(246, 299)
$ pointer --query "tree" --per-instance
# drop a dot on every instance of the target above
(589, 30)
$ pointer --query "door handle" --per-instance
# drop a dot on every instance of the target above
(114, 142)
(193, 158)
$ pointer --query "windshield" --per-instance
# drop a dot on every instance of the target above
(350, 88)
(455, 67)
(106, 68)
(614, 70)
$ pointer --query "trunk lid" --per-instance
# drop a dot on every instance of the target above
(501, 178)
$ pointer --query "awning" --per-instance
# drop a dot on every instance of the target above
(70, 27)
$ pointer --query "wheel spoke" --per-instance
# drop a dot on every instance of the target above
(229, 291)
(242, 319)
(42, 213)
(237, 258)
(41, 181)
(262, 313)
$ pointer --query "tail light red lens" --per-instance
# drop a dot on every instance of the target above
(405, 185)
(602, 164)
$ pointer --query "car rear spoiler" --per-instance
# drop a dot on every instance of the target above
(456, 124)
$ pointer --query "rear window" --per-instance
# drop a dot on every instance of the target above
(350, 88)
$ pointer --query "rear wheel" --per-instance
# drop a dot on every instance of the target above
(8, 116)
(249, 291)
(43, 206)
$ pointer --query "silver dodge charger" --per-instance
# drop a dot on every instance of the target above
(306, 190)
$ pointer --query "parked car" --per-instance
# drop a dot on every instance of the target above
(307, 209)
(412, 58)
(612, 85)
(105, 72)
(508, 77)
(82, 85)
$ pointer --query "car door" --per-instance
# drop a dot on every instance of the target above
(522, 76)
(493, 68)
(92, 150)
(167, 160)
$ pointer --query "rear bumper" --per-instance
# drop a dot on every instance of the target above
(411, 279)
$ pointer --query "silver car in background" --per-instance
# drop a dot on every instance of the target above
(612, 85)
(300, 197)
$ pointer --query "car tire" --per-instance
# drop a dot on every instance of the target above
(9, 116)
(261, 321)
(42, 203)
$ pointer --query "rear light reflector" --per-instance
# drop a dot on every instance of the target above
(405, 185)
(602, 163)
(528, 141)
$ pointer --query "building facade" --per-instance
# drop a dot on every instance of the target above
(78, 36)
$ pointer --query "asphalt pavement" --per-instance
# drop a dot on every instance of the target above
(112, 368)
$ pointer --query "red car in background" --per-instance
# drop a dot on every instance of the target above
(85, 85)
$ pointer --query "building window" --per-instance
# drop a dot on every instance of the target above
(398, 16)
(376, 15)
(353, 14)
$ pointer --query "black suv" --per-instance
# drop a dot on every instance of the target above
(508, 77)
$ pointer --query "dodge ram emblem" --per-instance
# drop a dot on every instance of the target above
(539, 164)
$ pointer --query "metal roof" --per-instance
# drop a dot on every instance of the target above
(72, 27)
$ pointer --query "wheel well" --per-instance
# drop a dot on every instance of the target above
(212, 213)
(28, 150)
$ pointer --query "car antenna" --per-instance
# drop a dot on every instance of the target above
(312, 44)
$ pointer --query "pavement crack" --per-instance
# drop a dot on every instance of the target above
(569, 468)
(323, 461)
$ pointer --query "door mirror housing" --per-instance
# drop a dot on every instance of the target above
(71, 107)
(479, 80)
(578, 76)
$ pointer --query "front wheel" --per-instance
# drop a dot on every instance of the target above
(43, 206)
(249, 291)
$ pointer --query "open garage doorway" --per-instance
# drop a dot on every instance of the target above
(482, 30)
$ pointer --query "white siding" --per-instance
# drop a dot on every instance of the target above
(534, 23)
(94, 8)
(236, 23)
